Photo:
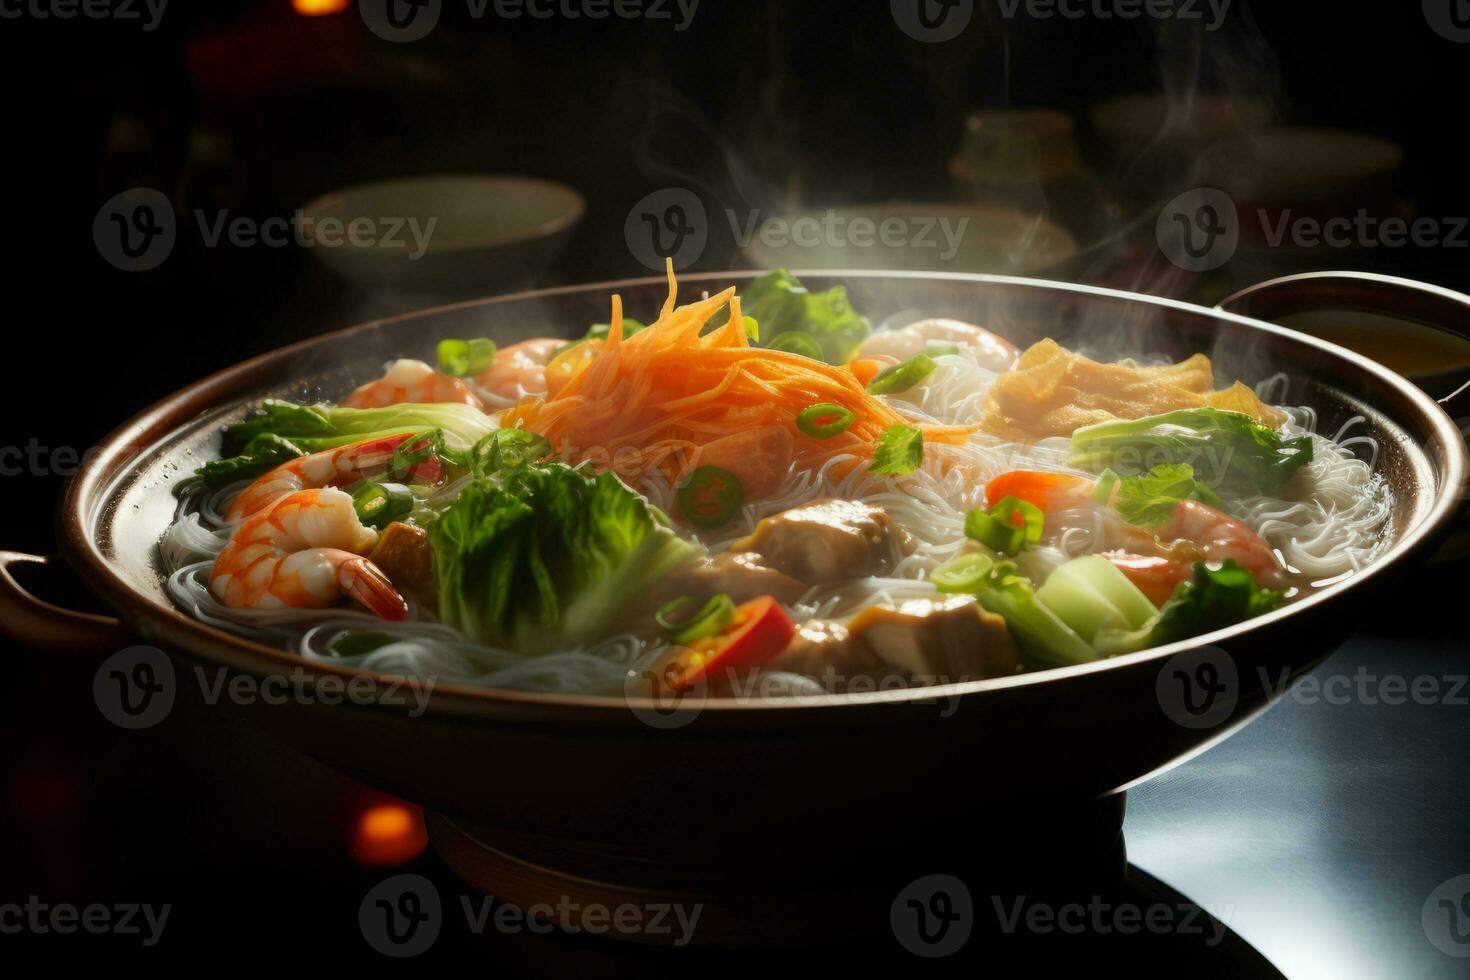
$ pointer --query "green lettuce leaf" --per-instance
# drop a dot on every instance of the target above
(1147, 501)
(1212, 441)
(545, 558)
(781, 304)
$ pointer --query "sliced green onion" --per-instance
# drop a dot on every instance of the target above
(1001, 536)
(1032, 518)
(902, 377)
(1107, 482)
(459, 358)
(711, 496)
(360, 643)
(380, 504)
(689, 622)
(967, 573)
(752, 328)
(941, 348)
(796, 342)
(482, 354)
(825, 420)
(1000, 530)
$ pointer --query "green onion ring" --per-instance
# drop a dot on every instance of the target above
(809, 421)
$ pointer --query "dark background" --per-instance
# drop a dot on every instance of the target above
(247, 106)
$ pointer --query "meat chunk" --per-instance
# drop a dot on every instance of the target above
(829, 541)
(944, 639)
(741, 575)
(404, 554)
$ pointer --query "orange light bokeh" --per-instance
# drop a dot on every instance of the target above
(320, 8)
(389, 834)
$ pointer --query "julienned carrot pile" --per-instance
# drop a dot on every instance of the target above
(674, 397)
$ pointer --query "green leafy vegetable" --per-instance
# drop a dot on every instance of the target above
(1214, 599)
(1231, 442)
(899, 452)
(265, 452)
(506, 449)
(313, 428)
(1040, 633)
(899, 378)
(796, 342)
(781, 304)
(1090, 594)
(1147, 501)
(545, 558)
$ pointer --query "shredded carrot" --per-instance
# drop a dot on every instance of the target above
(658, 397)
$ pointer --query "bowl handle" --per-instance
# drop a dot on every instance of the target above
(38, 624)
(1362, 292)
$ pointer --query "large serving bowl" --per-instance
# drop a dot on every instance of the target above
(714, 791)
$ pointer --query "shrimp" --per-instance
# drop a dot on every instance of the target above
(305, 551)
(520, 369)
(409, 382)
(333, 467)
(1220, 537)
(1155, 577)
(994, 353)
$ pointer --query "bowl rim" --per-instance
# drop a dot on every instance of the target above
(574, 208)
(96, 483)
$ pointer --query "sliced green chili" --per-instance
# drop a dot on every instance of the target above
(688, 621)
(967, 573)
(825, 420)
(902, 377)
(380, 504)
(711, 496)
